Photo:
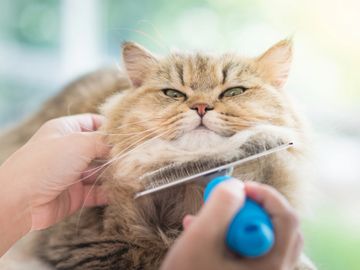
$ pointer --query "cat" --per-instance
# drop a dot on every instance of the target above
(180, 108)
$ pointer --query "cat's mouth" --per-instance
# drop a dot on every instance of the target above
(200, 138)
(203, 132)
(203, 129)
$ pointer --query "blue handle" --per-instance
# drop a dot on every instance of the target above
(250, 232)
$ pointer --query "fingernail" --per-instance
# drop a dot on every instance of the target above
(234, 186)
(236, 183)
(187, 220)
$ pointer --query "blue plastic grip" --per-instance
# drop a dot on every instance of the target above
(250, 232)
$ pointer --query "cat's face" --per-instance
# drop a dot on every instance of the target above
(198, 97)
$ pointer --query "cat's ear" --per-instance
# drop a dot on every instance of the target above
(138, 61)
(275, 62)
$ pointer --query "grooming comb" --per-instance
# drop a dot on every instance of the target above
(201, 170)
(250, 232)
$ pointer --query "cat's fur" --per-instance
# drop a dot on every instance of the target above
(148, 129)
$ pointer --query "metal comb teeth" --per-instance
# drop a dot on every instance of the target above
(175, 171)
(186, 171)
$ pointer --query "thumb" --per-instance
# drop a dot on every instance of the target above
(89, 145)
(223, 203)
(187, 220)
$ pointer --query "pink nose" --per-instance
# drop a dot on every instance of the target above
(201, 108)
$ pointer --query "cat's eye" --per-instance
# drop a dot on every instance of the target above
(174, 93)
(234, 91)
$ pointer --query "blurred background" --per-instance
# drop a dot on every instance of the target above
(44, 44)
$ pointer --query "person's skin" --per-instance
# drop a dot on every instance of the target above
(202, 245)
(49, 177)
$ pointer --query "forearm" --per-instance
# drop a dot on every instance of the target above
(15, 217)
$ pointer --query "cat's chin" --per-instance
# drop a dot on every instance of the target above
(198, 139)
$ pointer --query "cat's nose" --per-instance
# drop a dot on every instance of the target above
(201, 108)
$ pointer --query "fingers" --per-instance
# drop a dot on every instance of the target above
(92, 173)
(81, 122)
(94, 196)
(284, 218)
(298, 246)
(88, 122)
(268, 197)
(187, 220)
(96, 145)
(78, 129)
(215, 216)
(202, 245)
(76, 132)
(89, 145)
(70, 124)
(85, 196)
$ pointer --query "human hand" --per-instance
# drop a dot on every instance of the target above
(202, 244)
(46, 173)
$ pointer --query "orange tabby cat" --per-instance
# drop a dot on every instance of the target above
(179, 108)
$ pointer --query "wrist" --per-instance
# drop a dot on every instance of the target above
(15, 212)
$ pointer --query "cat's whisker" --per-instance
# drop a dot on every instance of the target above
(239, 122)
(117, 158)
(133, 133)
(178, 115)
(86, 197)
(128, 124)
(152, 131)
(123, 152)
(96, 169)
(82, 179)
(141, 139)
(133, 123)
(171, 120)
(157, 33)
(125, 134)
(130, 146)
(125, 125)
(237, 127)
(139, 122)
(148, 119)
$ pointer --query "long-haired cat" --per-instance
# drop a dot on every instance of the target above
(178, 108)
